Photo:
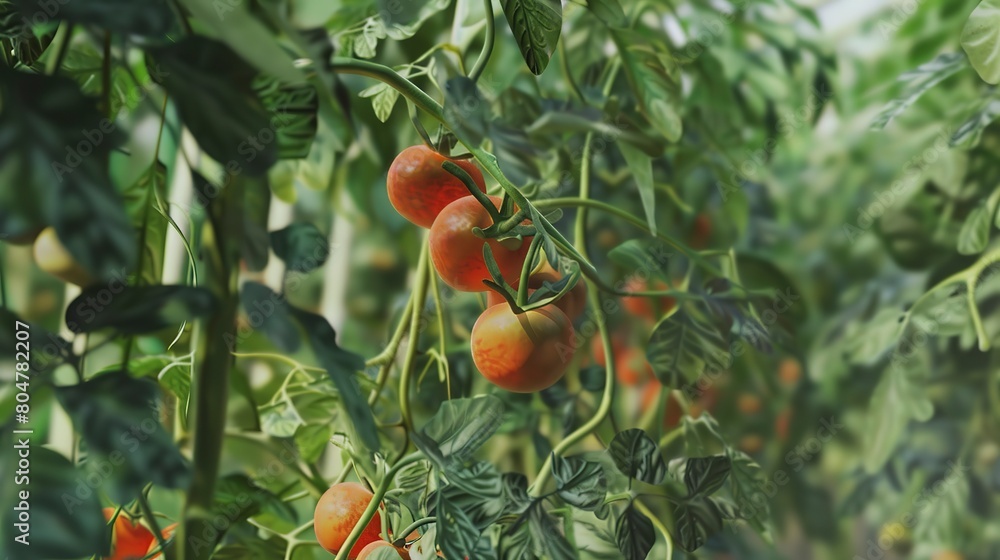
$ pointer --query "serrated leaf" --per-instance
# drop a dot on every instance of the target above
(634, 534)
(682, 348)
(653, 77)
(141, 206)
(579, 482)
(745, 482)
(460, 427)
(981, 40)
(302, 246)
(312, 440)
(641, 167)
(536, 25)
(547, 538)
(383, 98)
(294, 111)
(637, 456)
(918, 82)
(897, 399)
(137, 310)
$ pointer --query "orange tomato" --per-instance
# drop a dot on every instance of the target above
(369, 551)
(789, 372)
(782, 424)
(751, 443)
(650, 309)
(338, 510)
(419, 188)
(523, 353)
(748, 403)
(168, 532)
(457, 253)
(631, 367)
(572, 302)
(129, 540)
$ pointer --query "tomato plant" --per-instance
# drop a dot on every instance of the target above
(509, 280)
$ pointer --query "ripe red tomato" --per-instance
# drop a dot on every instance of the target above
(419, 188)
(457, 253)
(631, 367)
(572, 303)
(650, 309)
(523, 353)
(129, 541)
(338, 510)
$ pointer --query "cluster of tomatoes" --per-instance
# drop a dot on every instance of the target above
(521, 352)
(131, 540)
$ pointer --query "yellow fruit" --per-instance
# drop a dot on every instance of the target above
(52, 257)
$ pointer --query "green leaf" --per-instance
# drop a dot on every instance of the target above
(917, 82)
(383, 97)
(745, 482)
(967, 136)
(238, 493)
(294, 111)
(141, 206)
(975, 232)
(54, 502)
(53, 143)
(465, 110)
(641, 167)
(302, 246)
(869, 342)
(981, 40)
(255, 243)
(118, 417)
(536, 25)
(312, 440)
(681, 348)
(634, 534)
(695, 522)
(341, 366)
(654, 79)
(546, 536)
(268, 312)
(637, 456)
(211, 86)
(897, 400)
(233, 23)
(704, 475)
(608, 12)
(579, 482)
(457, 534)
(403, 19)
(641, 254)
(137, 310)
(150, 18)
(460, 427)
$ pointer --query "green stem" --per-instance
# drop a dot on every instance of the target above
(484, 55)
(385, 74)
(659, 526)
(60, 47)
(467, 180)
(405, 533)
(419, 295)
(580, 227)
(369, 512)
(385, 359)
(147, 514)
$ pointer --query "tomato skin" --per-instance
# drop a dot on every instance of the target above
(457, 253)
(337, 511)
(631, 367)
(419, 188)
(129, 541)
(168, 532)
(369, 550)
(748, 403)
(572, 302)
(647, 308)
(789, 372)
(522, 353)
(701, 231)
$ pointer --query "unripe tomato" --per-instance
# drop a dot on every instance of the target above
(168, 532)
(419, 188)
(338, 510)
(647, 308)
(52, 257)
(129, 541)
(572, 302)
(523, 353)
(748, 403)
(457, 253)
(368, 552)
(631, 367)
(789, 372)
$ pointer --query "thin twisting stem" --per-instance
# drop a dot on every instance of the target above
(484, 55)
